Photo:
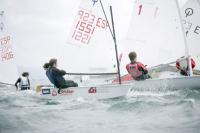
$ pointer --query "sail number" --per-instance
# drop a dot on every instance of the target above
(140, 9)
(6, 49)
(86, 25)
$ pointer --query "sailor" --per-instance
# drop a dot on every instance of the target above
(182, 65)
(23, 82)
(47, 67)
(57, 76)
(136, 69)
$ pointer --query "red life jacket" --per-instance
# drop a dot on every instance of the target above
(133, 69)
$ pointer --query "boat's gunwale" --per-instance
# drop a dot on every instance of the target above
(127, 84)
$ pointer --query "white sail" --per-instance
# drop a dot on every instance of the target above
(191, 21)
(92, 39)
(155, 32)
(44, 35)
(8, 69)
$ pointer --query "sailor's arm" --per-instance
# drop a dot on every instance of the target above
(18, 81)
(142, 68)
(59, 72)
(62, 72)
(29, 84)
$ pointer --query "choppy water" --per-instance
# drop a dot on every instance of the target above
(144, 112)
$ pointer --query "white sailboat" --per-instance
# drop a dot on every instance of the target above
(8, 69)
(156, 33)
(91, 36)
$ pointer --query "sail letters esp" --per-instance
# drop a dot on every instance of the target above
(6, 49)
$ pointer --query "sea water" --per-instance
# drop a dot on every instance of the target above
(176, 111)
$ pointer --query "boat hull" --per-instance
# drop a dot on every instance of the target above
(92, 92)
(116, 90)
(168, 83)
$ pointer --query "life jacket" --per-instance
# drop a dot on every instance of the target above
(24, 83)
(133, 70)
(49, 76)
(58, 78)
(59, 81)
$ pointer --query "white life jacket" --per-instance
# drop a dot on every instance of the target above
(24, 82)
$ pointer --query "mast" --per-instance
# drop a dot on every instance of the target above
(185, 42)
(114, 38)
(116, 51)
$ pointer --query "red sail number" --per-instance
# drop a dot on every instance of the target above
(140, 9)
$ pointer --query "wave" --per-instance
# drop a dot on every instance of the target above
(142, 111)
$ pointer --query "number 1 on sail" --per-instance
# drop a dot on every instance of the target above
(140, 9)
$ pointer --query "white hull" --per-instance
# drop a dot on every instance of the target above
(169, 83)
(116, 90)
(98, 92)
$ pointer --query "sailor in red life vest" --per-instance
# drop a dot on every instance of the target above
(136, 69)
(182, 65)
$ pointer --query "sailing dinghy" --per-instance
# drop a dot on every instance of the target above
(156, 33)
(92, 37)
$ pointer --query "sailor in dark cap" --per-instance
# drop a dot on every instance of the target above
(23, 82)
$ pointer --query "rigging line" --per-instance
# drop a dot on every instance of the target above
(113, 36)
(106, 19)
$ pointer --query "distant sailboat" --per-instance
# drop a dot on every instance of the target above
(8, 69)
